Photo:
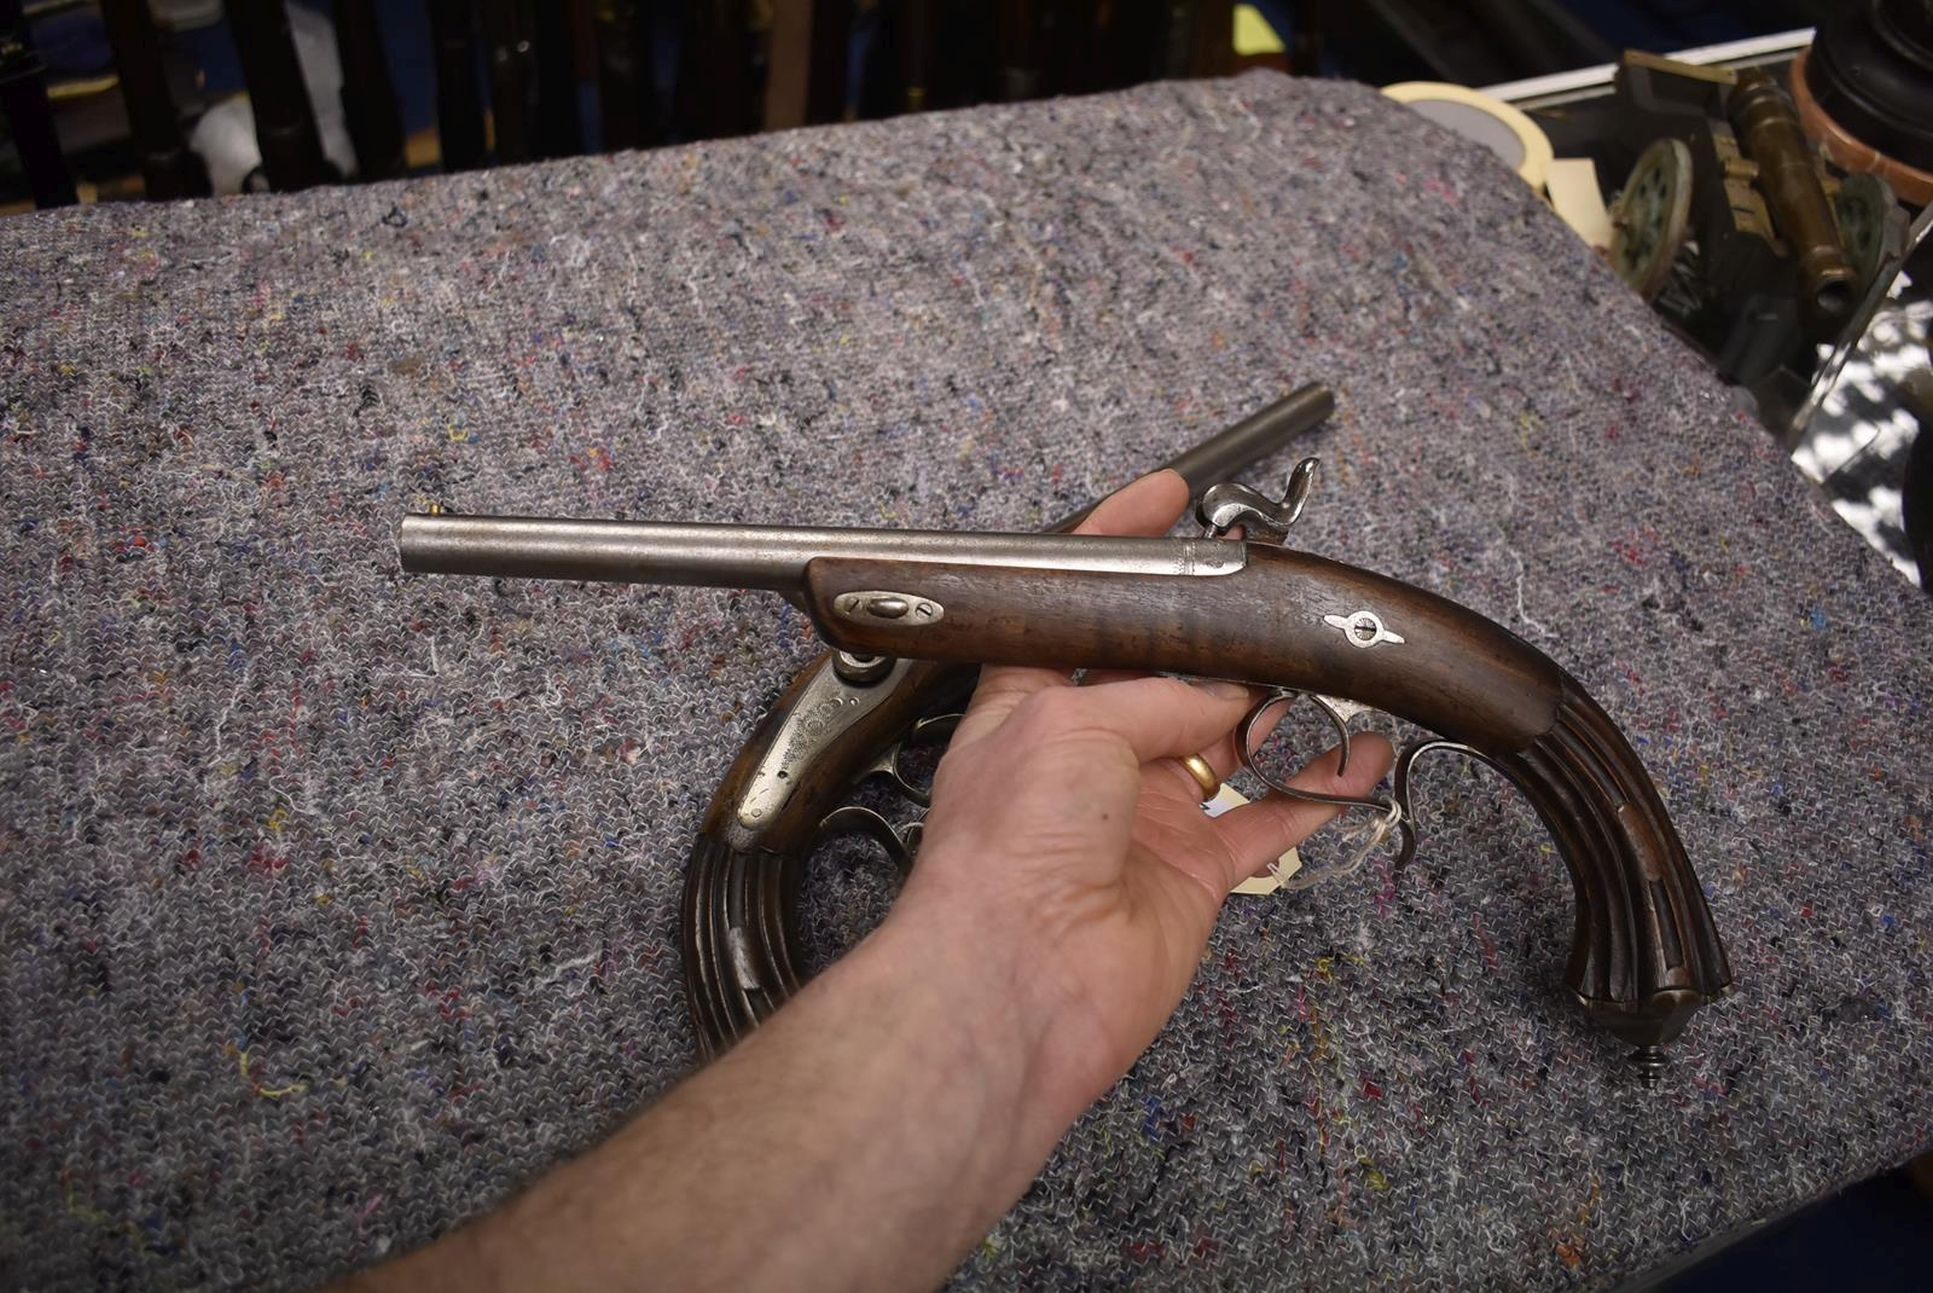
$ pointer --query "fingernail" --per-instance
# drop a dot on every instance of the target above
(1221, 689)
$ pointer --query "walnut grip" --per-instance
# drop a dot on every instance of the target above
(1645, 953)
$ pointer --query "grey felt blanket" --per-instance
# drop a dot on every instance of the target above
(335, 904)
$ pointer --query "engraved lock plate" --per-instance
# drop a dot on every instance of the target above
(824, 711)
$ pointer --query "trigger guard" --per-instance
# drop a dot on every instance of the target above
(1245, 747)
(1402, 776)
(933, 728)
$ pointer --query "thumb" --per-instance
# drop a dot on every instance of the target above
(1148, 506)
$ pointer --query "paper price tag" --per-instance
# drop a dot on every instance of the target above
(1279, 870)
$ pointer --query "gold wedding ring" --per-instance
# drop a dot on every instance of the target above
(1204, 776)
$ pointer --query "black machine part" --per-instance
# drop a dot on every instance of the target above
(1871, 70)
(1917, 505)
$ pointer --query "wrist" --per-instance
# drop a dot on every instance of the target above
(982, 976)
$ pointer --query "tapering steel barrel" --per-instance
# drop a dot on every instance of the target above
(772, 557)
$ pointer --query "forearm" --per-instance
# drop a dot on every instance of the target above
(866, 1137)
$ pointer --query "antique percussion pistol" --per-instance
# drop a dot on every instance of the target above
(905, 608)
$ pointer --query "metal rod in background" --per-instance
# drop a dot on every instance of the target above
(285, 128)
(23, 99)
(459, 91)
(369, 105)
(1228, 453)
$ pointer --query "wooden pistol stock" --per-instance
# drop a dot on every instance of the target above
(912, 614)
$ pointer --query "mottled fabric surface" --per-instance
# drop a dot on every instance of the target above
(335, 904)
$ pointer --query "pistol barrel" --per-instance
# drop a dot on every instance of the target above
(770, 557)
(775, 557)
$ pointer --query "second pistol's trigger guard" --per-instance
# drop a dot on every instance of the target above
(900, 842)
(1397, 811)
(1404, 771)
(889, 764)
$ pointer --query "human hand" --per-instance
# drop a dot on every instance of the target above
(886, 1117)
(1066, 840)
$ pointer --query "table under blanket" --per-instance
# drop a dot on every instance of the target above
(335, 904)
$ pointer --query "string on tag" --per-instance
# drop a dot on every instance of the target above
(1367, 840)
